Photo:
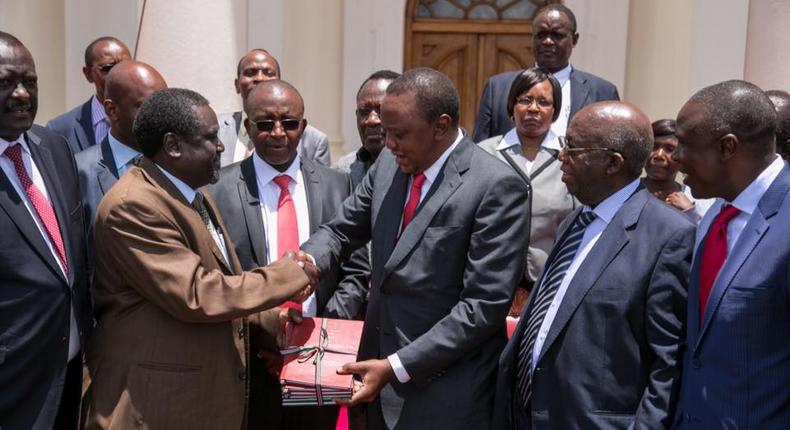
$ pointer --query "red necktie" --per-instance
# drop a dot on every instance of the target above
(42, 206)
(714, 254)
(287, 226)
(414, 200)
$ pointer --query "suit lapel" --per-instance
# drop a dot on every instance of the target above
(613, 239)
(313, 193)
(251, 209)
(108, 174)
(580, 92)
(753, 232)
(387, 223)
(46, 166)
(231, 263)
(443, 187)
(85, 120)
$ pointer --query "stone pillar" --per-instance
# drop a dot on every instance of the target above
(196, 44)
(767, 44)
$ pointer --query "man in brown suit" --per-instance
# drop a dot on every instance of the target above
(173, 307)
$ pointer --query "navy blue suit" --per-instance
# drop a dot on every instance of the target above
(493, 119)
(35, 297)
(737, 367)
(611, 359)
(76, 126)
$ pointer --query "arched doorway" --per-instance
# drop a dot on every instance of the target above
(469, 41)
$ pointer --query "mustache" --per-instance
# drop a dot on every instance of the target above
(14, 105)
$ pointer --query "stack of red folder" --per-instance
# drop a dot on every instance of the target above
(313, 351)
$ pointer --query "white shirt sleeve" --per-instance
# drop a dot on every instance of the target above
(397, 367)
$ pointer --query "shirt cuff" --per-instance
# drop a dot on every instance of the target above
(397, 367)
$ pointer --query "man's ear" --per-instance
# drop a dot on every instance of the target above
(442, 127)
(171, 145)
(236, 84)
(783, 148)
(728, 146)
(247, 125)
(575, 39)
(86, 71)
(110, 109)
(616, 164)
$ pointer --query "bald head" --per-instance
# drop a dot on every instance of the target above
(126, 86)
(621, 127)
(781, 102)
(274, 90)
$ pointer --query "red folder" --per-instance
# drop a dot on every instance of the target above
(313, 351)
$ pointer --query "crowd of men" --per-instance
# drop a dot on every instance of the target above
(152, 252)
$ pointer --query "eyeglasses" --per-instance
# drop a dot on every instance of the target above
(267, 125)
(105, 68)
(527, 101)
(565, 143)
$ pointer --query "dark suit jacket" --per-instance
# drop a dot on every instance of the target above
(611, 359)
(76, 126)
(439, 294)
(35, 298)
(343, 291)
(493, 119)
(736, 372)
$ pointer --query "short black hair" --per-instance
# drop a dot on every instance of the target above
(89, 50)
(241, 60)
(561, 8)
(633, 142)
(528, 79)
(169, 110)
(781, 102)
(434, 92)
(387, 75)
(740, 108)
(664, 127)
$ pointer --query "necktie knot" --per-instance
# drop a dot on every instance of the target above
(282, 181)
(14, 153)
(200, 207)
(726, 215)
(418, 180)
(586, 218)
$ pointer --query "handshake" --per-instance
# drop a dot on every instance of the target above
(307, 263)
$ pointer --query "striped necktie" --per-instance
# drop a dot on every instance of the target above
(552, 279)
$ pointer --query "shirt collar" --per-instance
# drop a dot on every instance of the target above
(607, 209)
(564, 75)
(186, 191)
(750, 197)
(121, 153)
(511, 139)
(4, 144)
(97, 111)
(266, 173)
(432, 172)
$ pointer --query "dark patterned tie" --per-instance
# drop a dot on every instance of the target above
(555, 273)
(200, 207)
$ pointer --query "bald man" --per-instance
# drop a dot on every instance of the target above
(255, 67)
(597, 347)
(100, 166)
(781, 102)
(87, 124)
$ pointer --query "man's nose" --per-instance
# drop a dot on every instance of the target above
(20, 92)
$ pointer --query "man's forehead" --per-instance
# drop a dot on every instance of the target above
(552, 18)
(255, 59)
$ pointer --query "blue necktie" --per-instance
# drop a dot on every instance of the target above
(552, 279)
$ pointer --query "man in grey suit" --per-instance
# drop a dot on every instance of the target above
(447, 226)
(249, 196)
(554, 36)
(598, 345)
(255, 67)
(87, 125)
(100, 166)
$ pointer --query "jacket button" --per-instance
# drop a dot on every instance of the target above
(538, 369)
(63, 340)
(242, 332)
(243, 374)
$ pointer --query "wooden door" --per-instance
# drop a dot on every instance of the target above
(470, 41)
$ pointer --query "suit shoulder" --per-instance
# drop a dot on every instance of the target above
(595, 80)
(65, 121)
(313, 134)
(490, 168)
(504, 77)
(51, 140)
(330, 173)
(489, 145)
(88, 155)
(669, 218)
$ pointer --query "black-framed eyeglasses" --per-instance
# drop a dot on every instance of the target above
(267, 125)
(105, 68)
(565, 145)
(527, 101)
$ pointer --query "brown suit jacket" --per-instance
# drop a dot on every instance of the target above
(172, 341)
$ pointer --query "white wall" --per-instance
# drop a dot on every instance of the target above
(767, 62)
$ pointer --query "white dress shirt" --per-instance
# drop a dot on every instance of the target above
(430, 176)
(746, 202)
(511, 139)
(269, 197)
(35, 175)
(605, 212)
(560, 126)
(123, 156)
(189, 194)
